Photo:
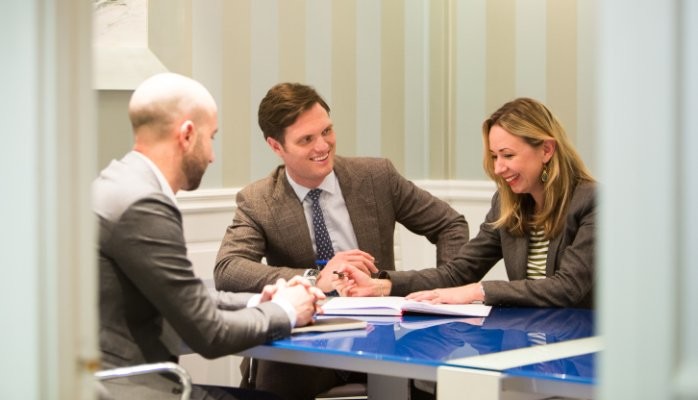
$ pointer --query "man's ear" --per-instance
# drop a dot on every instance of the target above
(187, 134)
(549, 147)
(275, 146)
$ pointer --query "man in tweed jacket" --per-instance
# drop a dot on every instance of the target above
(362, 200)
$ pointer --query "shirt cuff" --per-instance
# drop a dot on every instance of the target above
(288, 307)
(254, 300)
(284, 304)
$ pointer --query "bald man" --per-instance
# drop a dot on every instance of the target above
(150, 301)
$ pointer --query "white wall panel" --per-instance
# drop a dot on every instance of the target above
(207, 65)
(416, 88)
(687, 369)
(469, 107)
(368, 88)
(531, 76)
(318, 36)
(264, 74)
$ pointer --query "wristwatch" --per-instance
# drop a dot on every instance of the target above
(383, 274)
(311, 275)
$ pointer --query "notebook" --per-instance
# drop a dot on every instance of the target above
(324, 324)
(396, 305)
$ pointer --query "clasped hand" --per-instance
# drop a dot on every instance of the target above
(299, 293)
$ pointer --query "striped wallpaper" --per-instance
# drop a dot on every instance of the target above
(410, 80)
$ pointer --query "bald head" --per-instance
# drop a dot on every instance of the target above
(164, 100)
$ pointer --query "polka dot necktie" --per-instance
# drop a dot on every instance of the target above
(323, 244)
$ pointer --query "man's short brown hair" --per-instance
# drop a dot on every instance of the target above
(283, 104)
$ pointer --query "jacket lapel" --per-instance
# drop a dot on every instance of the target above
(361, 205)
(519, 257)
(288, 213)
(551, 261)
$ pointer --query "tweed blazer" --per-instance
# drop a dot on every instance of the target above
(269, 223)
(570, 264)
(150, 302)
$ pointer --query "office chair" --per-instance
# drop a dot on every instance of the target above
(162, 367)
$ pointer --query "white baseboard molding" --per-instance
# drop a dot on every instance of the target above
(223, 199)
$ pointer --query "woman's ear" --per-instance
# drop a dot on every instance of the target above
(549, 147)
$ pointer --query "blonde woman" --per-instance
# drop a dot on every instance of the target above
(542, 224)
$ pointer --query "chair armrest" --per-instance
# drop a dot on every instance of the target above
(182, 374)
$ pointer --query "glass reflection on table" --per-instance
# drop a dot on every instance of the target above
(433, 340)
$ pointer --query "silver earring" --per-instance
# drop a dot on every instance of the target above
(544, 174)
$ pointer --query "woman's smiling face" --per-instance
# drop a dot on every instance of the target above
(518, 163)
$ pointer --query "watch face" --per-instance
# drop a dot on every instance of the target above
(311, 275)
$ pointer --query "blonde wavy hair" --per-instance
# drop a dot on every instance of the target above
(534, 123)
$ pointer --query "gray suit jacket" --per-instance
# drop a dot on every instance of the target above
(269, 222)
(150, 300)
(570, 264)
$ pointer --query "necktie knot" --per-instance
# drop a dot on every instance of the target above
(314, 195)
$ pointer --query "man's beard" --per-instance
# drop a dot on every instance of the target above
(194, 167)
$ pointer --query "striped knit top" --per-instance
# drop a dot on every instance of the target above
(537, 254)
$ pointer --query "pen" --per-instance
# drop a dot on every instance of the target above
(339, 274)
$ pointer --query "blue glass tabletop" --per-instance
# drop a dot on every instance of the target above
(436, 341)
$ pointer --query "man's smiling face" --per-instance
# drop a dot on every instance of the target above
(309, 147)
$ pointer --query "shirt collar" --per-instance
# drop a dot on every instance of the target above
(329, 184)
(164, 185)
